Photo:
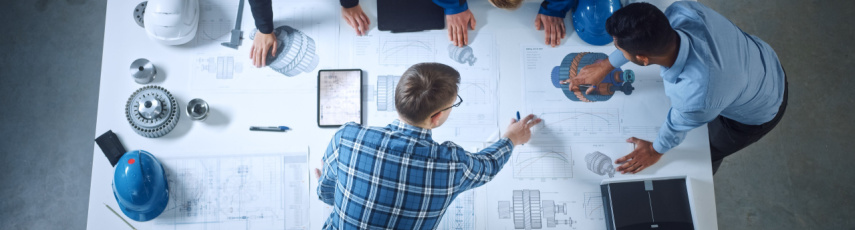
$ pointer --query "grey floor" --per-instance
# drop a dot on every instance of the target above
(798, 177)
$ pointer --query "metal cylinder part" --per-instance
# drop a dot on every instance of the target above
(143, 71)
(197, 109)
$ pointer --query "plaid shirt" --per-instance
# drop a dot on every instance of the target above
(397, 177)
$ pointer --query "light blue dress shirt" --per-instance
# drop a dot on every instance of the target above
(719, 70)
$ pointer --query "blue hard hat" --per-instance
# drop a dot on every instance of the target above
(139, 185)
(589, 20)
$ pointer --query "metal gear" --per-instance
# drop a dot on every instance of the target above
(152, 111)
(295, 54)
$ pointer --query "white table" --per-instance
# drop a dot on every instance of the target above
(226, 129)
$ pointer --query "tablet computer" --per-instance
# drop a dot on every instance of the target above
(339, 97)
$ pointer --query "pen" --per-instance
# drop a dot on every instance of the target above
(518, 115)
(588, 85)
(269, 128)
(120, 217)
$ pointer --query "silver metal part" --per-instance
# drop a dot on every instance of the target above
(295, 53)
(139, 11)
(235, 41)
(197, 109)
(143, 71)
(152, 111)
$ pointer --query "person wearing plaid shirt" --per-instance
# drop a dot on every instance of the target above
(398, 177)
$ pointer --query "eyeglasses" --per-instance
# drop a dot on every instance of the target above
(460, 100)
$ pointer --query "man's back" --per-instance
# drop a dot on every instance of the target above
(397, 177)
(725, 68)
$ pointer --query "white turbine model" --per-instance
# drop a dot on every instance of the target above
(171, 22)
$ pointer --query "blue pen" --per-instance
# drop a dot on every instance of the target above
(269, 128)
(518, 115)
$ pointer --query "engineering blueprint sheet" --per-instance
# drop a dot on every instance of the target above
(237, 192)
(553, 181)
(307, 39)
(384, 57)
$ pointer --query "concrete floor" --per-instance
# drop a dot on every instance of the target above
(795, 178)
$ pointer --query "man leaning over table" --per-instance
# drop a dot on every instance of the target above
(713, 72)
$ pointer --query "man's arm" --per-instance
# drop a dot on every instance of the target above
(354, 16)
(327, 179)
(262, 12)
(671, 134)
(594, 73)
(550, 18)
(484, 165)
(459, 20)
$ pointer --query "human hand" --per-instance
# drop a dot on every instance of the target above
(318, 173)
(591, 74)
(457, 27)
(520, 131)
(641, 157)
(356, 18)
(260, 45)
(555, 30)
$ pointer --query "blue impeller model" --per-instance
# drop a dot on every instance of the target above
(616, 80)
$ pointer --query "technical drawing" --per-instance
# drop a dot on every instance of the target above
(475, 92)
(598, 121)
(216, 20)
(295, 54)
(528, 211)
(600, 164)
(386, 92)
(617, 80)
(593, 205)
(406, 50)
(462, 55)
(542, 164)
(237, 192)
(460, 215)
(222, 67)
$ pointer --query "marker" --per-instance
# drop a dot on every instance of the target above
(120, 217)
(518, 115)
(269, 128)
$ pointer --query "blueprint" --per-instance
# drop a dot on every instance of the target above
(308, 41)
(386, 56)
(237, 192)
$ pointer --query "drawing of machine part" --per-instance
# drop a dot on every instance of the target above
(152, 111)
(386, 92)
(600, 164)
(461, 55)
(295, 52)
(528, 211)
(616, 80)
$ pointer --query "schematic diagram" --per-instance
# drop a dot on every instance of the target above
(528, 211)
(237, 192)
(462, 55)
(616, 80)
(593, 205)
(406, 50)
(386, 92)
(460, 215)
(542, 164)
(221, 67)
(600, 164)
(295, 54)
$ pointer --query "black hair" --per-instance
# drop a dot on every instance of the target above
(641, 29)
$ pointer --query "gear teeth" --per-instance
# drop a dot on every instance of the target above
(160, 125)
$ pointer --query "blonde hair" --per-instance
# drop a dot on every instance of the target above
(506, 4)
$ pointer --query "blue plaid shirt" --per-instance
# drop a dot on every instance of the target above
(397, 177)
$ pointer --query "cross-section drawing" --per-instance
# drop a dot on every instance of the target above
(572, 64)
(462, 55)
(528, 211)
(600, 164)
(386, 92)
(295, 52)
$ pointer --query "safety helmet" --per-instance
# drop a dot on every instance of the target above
(172, 22)
(589, 20)
(139, 185)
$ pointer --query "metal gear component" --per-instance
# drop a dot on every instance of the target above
(600, 164)
(152, 111)
(295, 53)
(572, 64)
(461, 55)
(139, 11)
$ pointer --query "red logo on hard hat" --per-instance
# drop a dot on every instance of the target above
(131, 161)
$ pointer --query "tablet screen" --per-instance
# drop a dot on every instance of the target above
(339, 97)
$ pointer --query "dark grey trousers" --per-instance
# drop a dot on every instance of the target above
(728, 136)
